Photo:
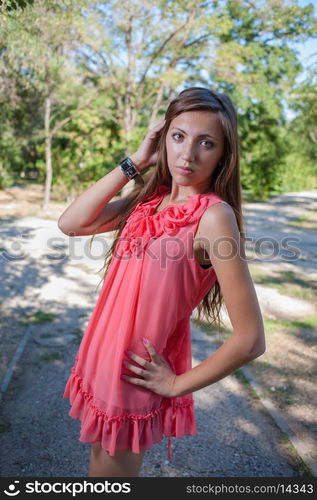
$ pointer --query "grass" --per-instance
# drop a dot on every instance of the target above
(77, 331)
(275, 378)
(300, 463)
(209, 329)
(38, 317)
(4, 425)
(245, 381)
(272, 324)
(240, 376)
(287, 282)
(306, 221)
(278, 377)
(284, 395)
(51, 357)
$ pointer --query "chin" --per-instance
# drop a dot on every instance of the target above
(182, 179)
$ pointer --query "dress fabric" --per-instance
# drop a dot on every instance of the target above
(152, 285)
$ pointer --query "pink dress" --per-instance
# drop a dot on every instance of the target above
(151, 288)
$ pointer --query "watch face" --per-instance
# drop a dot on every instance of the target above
(128, 168)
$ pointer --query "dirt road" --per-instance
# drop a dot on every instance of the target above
(48, 292)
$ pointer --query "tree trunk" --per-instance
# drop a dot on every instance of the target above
(129, 114)
(48, 153)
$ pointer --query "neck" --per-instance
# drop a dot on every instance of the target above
(182, 193)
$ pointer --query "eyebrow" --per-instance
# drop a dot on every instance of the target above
(200, 135)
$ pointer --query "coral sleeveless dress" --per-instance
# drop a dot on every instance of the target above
(152, 285)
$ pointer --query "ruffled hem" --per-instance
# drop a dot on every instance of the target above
(144, 224)
(135, 432)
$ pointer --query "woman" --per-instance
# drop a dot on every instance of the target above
(179, 246)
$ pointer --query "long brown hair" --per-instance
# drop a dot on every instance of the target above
(225, 179)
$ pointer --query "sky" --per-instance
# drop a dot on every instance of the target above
(307, 53)
(307, 50)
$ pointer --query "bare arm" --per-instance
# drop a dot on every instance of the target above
(247, 340)
(92, 212)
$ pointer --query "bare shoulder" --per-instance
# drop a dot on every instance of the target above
(218, 220)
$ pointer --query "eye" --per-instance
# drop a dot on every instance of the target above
(173, 135)
(208, 144)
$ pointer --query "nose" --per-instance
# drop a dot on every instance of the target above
(188, 152)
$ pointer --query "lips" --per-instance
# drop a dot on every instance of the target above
(184, 170)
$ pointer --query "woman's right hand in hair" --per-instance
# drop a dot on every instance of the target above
(146, 155)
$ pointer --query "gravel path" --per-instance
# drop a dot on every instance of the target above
(41, 271)
(236, 437)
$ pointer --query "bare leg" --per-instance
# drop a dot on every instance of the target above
(123, 464)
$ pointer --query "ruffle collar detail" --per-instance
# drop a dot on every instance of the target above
(144, 223)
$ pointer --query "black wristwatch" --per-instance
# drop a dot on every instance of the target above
(128, 168)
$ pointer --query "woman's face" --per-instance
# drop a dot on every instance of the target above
(194, 145)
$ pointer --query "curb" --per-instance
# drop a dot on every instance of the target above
(14, 361)
(301, 446)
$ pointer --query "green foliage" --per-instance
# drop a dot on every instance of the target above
(85, 150)
(257, 67)
(6, 180)
(301, 158)
(11, 5)
(38, 78)
(263, 150)
(108, 72)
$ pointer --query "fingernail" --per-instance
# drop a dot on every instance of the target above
(145, 340)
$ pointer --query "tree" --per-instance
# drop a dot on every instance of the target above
(117, 51)
(239, 47)
(141, 66)
(10, 5)
(301, 132)
(38, 43)
(257, 66)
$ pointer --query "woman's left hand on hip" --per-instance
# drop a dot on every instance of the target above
(156, 374)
